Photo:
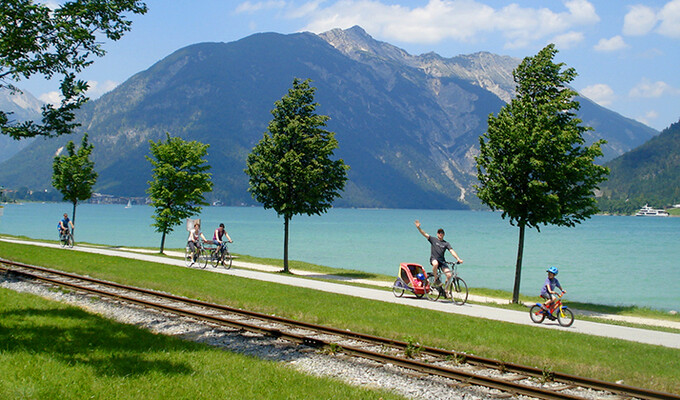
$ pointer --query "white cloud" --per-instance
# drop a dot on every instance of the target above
(613, 44)
(463, 20)
(648, 118)
(649, 89)
(251, 7)
(640, 20)
(568, 40)
(96, 89)
(53, 98)
(670, 19)
(600, 93)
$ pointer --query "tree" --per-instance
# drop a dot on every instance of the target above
(291, 169)
(180, 178)
(533, 165)
(74, 175)
(35, 40)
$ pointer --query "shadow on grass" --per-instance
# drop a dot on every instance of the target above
(74, 337)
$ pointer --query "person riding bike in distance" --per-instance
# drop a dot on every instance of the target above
(64, 225)
(548, 289)
(192, 241)
(218, 236)
(437, 250)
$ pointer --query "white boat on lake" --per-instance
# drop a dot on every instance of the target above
(648, 211)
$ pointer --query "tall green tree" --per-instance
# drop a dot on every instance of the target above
(533, 164)
(290, 169)
(179, 180)
(73, 174)
(36, 40)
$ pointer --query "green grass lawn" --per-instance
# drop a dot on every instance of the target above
(53, 351)
(558, 350)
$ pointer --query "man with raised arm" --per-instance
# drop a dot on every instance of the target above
(437, 250)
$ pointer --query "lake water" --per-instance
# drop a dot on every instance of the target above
(606, 260)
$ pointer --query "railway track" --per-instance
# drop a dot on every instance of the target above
(461, 368)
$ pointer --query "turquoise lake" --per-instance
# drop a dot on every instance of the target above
(607, 259)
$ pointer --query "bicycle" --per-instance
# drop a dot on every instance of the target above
(220, 255)
(66, 238)
(557, 311)
(199, 256)
(455, 286)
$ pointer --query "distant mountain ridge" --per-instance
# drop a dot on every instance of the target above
(23, 107)
(649, 173)
(408, 126)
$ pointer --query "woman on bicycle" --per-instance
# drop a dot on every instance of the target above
(218, 236)
(192, 241)
(437, 250)
(548, 289)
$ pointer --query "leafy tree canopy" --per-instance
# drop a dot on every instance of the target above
(180, 179)
(73, 173)
(291, 169)
(533, 165)
(36, 40)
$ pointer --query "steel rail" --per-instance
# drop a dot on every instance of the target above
(412, 364)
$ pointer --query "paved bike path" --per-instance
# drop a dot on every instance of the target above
(666, 339)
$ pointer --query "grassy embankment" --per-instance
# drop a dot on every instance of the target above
(53, 351)
(557, 350)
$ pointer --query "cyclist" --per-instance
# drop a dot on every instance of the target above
(548, 289)
(194, 235)
(437, 251)
(220, 233)
(64, 225)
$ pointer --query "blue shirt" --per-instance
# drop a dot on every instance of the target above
(553, 283)
(64, 222)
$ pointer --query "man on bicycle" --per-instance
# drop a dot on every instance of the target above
(218, 236)
(64, 226)
(437, 250)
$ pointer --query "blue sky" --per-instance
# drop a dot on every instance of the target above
(627, 53)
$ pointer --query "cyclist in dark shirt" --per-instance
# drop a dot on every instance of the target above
(437, 251)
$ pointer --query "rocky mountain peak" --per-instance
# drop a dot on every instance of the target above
(486, 70)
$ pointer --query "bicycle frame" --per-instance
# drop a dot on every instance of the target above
(453, 267)
(557, 305)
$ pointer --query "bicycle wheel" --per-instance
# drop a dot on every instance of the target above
(565, 317)
(398, 288)
(188, 257)
(226, 259)
(536, 314)
(69, 241)
(62, 240)
(214, 256)
(458, 291)
(431, 290)
(202, 259)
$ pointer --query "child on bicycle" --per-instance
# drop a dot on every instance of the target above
(548, 289)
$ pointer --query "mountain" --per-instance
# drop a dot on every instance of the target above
(648, 174)
(408, 126)
(23, 107)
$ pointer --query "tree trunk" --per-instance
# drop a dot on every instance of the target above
(163, 242)
(73, 217)
(518, 267)
(286, 224)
